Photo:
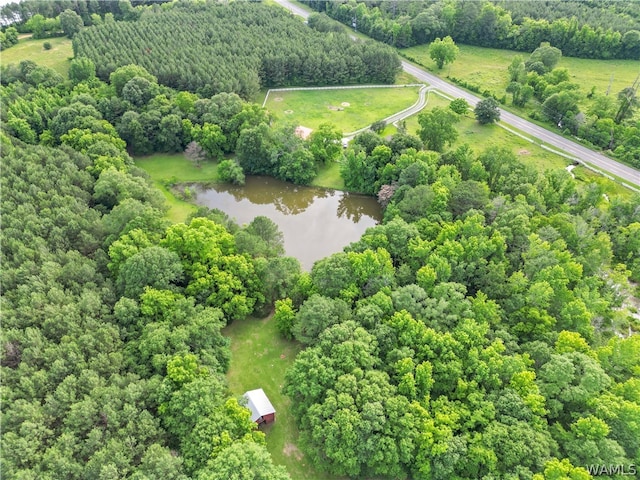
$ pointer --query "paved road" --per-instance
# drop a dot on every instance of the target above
(573, 149)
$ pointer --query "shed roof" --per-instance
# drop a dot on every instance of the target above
(258, 403)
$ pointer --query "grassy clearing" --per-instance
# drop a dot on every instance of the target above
(28, 49)
(259, 359)
(348, 110)
(329, 177)
(487, 67)
(164, 168)
(481, 137)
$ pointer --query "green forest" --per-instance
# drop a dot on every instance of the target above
(237, 48)
(485, 329)
(595, 29)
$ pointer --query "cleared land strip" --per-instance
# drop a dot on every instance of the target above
(628, 175)
(340, 87)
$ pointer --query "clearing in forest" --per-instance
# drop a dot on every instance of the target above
(259, 359)
(58, 58)
(347, 109)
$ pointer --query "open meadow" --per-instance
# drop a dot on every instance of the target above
(487, 67)
(347, 109)
(58, 58)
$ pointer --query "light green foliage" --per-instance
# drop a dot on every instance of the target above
(443, 51)
(215, 274)
(243, 461)
(230, 172)
(81, 69)
(325, 143)
(122, 75)
(285, 317)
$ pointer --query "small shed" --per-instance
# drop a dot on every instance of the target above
(261, 409)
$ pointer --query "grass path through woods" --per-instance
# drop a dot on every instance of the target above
(259, 359)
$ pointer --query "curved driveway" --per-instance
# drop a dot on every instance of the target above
(576, 151)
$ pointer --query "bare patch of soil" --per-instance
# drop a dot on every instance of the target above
(345, 104)
(292, 450)
(524, 151)
(278, 99)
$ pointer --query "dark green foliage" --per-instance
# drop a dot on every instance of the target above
(598, 29)
(71, 23)
(234, 48)
(437, 128)
(486, 111)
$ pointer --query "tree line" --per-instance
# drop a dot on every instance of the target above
(491, 24)
(239, 48)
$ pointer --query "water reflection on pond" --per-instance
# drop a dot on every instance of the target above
(315, 222)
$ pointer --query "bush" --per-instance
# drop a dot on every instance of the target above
(47, 45)
(231, 172)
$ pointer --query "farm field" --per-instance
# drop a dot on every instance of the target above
(259, 359)
(28, 49)
(348, 109)
(487, 67)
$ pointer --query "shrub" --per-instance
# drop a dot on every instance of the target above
(231, 172)
(47, 45)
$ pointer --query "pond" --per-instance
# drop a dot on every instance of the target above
(315, 222)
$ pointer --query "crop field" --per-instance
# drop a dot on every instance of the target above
(259, 359)
(487, 67)
(28, 49)
(348, 109)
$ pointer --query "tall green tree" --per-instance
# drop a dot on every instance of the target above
(443, 51)
(437, 128)
(71, 23)
(487, 111)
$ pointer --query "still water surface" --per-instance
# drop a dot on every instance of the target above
(315, 222)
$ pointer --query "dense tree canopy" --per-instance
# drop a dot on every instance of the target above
(478, 332)
(595, 29)
(224, 48)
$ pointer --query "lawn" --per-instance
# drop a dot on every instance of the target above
(175, 168)
(348, 110)
(329, 177)
(29, 49)
(259, 359)
(481, 137)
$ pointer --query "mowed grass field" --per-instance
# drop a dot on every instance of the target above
(259, 359)
(487, 67)
(58, 58)
(348, 109)
(163, 167)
